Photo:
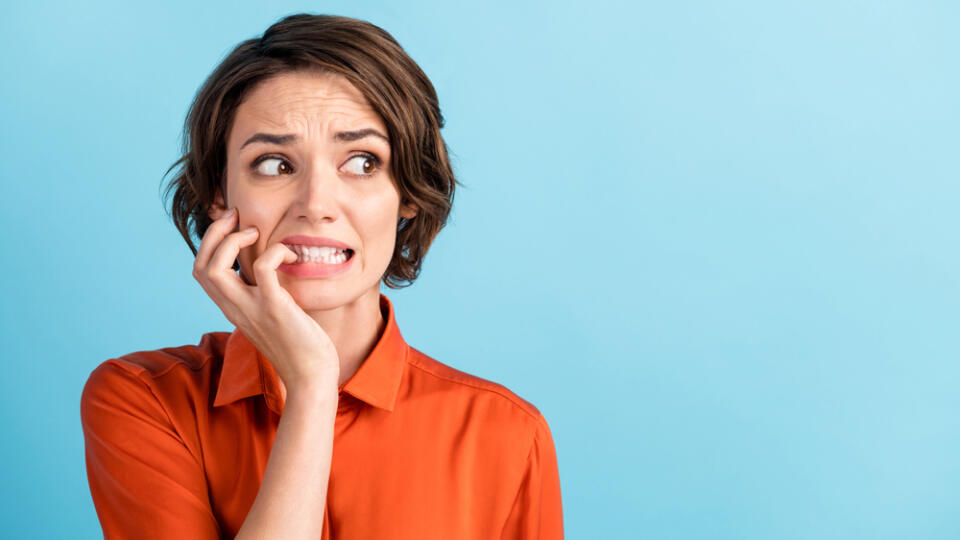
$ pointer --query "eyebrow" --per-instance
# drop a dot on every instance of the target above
(340, 136)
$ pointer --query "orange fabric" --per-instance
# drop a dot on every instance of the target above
(177, 440)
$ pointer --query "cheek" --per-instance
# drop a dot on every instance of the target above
(381, 212)
(382, 229)
(261, 211)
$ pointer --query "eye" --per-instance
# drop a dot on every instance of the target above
(264, 170)
(363, 164)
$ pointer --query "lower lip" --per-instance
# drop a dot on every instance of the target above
(316, 269)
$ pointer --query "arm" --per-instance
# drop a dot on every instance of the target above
(293, 494)
(290, 501)
(144, 481)
(537, 511)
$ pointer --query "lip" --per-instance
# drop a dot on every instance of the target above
(304, 240)
(316, 269)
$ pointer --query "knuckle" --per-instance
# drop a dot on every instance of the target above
(261, 265)
(215, 278)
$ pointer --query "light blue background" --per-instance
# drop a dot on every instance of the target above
(713, 242)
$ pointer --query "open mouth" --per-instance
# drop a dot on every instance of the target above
(320, 255)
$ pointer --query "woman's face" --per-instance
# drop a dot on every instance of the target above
(323, 172)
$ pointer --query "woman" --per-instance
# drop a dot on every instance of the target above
(315, 167)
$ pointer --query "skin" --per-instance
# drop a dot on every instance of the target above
(315, 331)
(320, 187)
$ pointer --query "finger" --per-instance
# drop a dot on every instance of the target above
(227, 306)
(220, 270)
(212, 238)
(265, 269)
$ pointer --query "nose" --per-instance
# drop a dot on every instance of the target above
(318, 199)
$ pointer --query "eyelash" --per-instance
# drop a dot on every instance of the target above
(256, 163)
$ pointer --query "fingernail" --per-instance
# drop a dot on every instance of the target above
(249, 230)
(230, 212)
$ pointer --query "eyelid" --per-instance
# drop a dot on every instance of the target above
(378, 163)
(256, 164)
(373, 157)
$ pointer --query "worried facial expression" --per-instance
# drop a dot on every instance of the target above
(308, 155)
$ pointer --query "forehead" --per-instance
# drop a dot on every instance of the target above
(304, 101)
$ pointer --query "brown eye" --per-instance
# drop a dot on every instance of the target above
(363, 164)
(283, 168)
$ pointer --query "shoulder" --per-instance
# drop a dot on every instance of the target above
(455, 386)
(165, 373)
(156, 363)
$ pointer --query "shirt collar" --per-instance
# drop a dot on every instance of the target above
(246, 372)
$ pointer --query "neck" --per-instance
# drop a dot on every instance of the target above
(354, 329)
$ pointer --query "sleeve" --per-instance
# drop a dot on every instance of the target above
(144, 481)
(537, 511)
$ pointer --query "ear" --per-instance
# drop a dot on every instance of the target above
(217, 208)
(408, 211)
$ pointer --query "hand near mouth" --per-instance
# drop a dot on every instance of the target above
(299, 349)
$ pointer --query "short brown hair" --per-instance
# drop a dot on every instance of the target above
(373, 61)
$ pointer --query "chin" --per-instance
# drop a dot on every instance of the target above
(314, 295)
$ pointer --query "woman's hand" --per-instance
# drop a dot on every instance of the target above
(301, 352)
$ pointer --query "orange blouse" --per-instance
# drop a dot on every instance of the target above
(177, 440)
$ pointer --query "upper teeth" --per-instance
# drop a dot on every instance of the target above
(316, 252)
